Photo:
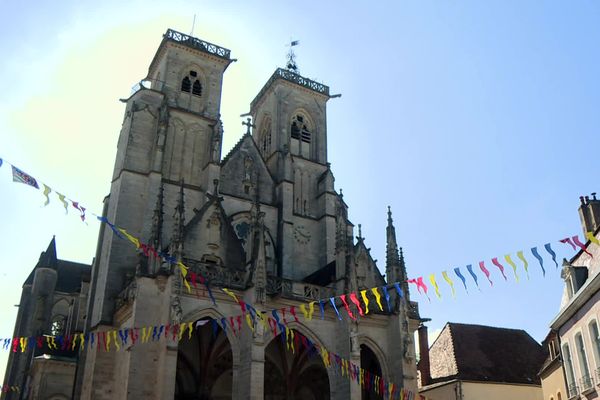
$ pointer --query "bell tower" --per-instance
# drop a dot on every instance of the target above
(290, 114)
(170, 143)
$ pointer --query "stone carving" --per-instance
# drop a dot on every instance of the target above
(216, 141)
(176, 310)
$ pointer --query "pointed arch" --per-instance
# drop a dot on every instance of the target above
(204, 364)
(297, 374)
(302, 129)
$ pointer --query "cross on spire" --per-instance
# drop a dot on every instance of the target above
(249, 125)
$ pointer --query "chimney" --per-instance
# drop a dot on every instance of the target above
(589, 213)
(423, 365)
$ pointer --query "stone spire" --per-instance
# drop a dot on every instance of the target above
(392, 260)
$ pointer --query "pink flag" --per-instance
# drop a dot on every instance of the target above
(500, 267)
(486, 272)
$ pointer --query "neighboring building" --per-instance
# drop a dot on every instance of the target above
(577, 322)
(474, 362)
(53, 302)
(264, 221)
(552, 373)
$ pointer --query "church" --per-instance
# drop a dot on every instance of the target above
(264, 221)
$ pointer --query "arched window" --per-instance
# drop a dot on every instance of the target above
(265, 138)
(571, 387)
(300, 131)
(558, 396)
(197, 89)
(186, 84)
(58, 325)
(595, 336)
(586, 380)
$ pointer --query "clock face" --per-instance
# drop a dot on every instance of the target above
(301, 234)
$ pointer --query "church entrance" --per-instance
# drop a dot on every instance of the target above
(204, 365)
(297, 375)
(368, 362)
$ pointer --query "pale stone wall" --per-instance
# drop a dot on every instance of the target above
(441, 354)
(51, 379)
(554, 384)
(455, 390)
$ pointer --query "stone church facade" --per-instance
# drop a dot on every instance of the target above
(264, 221)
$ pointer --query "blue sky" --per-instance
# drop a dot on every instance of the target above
(473, 120)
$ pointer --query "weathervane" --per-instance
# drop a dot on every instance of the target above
(291, 57)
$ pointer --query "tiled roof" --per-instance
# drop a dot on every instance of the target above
(485, 353)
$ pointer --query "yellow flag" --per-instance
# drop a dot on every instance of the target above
(146, 332)
(23, 342)
(363, 294)
(435, 285)
(231, 294)
(513, 265)
(249, 322)
(526, 264)
(304, 311)
(81, 341)
(184, 271)
(107, 341)
(377, 297)
(114, 333)
(292, 340)
(590, 236)
(47, 191)
(311, 309)
(447, 279)
(190, 329)
(182, 330)
(61, 197)
(132, 239)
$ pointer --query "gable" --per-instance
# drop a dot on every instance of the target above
(210, 238)
(243, 170)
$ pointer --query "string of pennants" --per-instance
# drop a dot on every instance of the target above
(574, 242)
(104, 339)
(194, 278)
(292, 340)
(347, 300)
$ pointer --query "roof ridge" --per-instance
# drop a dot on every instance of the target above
(235, 148)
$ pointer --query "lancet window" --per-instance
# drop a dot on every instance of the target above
(187, 86)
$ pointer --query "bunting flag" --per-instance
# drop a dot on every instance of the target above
(581, 245)
(470, 269)
(435, 286)
(535, 253)
(450, 282)
(377, 298)
(486, 272)
(61, 197)
(365, 299)
(347, 307)
(132, 239)
(551, 252)
(0, 162)
(398, 290)
(332, 301)
(590, 236)
(500, 267)
(513, 265)
(81, 209)
(322, 308)
(22, 177)
(525, 263)
(461, 277)
(568, 241)
(46, 192)
(386, 296)
(356, 302)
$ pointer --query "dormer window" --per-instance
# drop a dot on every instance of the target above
(187, 86)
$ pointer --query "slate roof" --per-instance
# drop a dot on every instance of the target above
(323, 276)
(485, 353)
(70, 274)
